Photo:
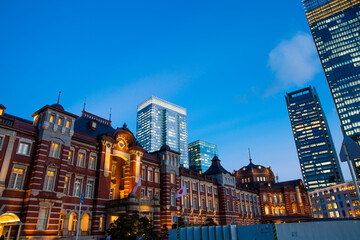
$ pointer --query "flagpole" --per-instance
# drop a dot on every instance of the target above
(78, 222)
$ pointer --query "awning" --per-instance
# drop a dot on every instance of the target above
(9, 219)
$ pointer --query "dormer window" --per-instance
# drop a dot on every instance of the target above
(93, 124)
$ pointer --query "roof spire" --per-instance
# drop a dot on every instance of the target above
(84, 104)
(249, 155)
(110, 115)
(59, 97)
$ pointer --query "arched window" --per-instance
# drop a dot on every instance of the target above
(85, 223)
(73, 222)
(267, 210)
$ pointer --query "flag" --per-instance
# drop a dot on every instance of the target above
(137, 185)
(82, 197)
(181, 192)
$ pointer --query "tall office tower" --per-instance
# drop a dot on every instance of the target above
(318, 160)
(160, 122)
(335, 27)
(201, 153)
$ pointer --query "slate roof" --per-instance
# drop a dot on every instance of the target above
(83, 125)
(215, 167)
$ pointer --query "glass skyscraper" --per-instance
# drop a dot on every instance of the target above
(318, 160)
(335, 27)
(200, 154)
(160, 122)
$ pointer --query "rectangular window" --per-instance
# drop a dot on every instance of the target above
(66, 185)
(101, 223)
(210, 204)
(195, 203)
(150, 193)
(77, 187)
(81, 160)
(203, 204)
(54, 150)
(1, 141)
(112, 192)
(52, 117)
(150, 175)
(24, 148)
(172, 178)
(70, 156)
(157, 177)
(68, 123)
(49, 180)
(202, 188)
(16, 178)
(89, 188)
(209, 189)
(60, 120)
(113, 171)
(92, 162)
(43, 218)
(216, 206)
(172, 198)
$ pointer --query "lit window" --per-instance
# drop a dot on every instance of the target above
(70, 156)
(77, 187)
(49, 179)
(172, 178)
(113, 171)
(66, 185)
(150, 175)
(89, 188)
(60, 120)
(101, 223)
(54, 150)
(51, 118)
(157, 177)
(81, 159)
(111, 195)
(24, 148)
(16, 178)
(68, 122)
(43, 218)
(92, 162)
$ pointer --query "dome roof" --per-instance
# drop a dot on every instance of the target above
(165, 148)
(58, 107)
(253, 168)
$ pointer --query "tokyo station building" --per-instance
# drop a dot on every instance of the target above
(47, 163)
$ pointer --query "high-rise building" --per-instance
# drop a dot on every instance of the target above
(335, 27)
(200, 154)
(162, 123)
(318, 160)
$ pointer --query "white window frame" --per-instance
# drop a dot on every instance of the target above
(71, 160)
(172, 198)
(66, 190)
(92, 166)
(20, 150)
(172, 178)
(2, 140)
(150, 177)
(53, 154)
(81, 186)
(47, 187)
(87, 194)
(45, 223)
(157, 179)
(81, 151)
(16, 177)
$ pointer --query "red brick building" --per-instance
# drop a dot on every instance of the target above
(46, 164)
(280, 201)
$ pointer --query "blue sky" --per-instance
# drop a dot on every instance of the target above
(229, 63)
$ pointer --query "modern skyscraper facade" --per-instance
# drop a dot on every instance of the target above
(162, 123)
(335, 27)
(318, 160)
(200, 155)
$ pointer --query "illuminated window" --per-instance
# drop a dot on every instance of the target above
(92, 162)
(70, 156)
(113, 171)
(157, 176)
(60, 121)
(68, 122)
(81, 159)
(49, 179)
(54, 150)
(66, 185)
(52, 117)
(294, 208)
(172, 177)
(150, 175)
(89, 188)
(16, 178)
(101, 224)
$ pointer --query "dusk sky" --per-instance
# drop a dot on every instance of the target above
(229, 63)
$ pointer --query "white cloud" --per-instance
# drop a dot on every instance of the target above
(294, 63)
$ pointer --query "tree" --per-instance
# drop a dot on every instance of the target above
(130, 227)
(164, 232)
(210, 222)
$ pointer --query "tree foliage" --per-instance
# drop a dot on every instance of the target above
(164, 232)
(181, 223)
(130, 227)
(210, 222)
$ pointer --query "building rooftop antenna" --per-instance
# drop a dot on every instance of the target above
(249, 155)
(59, 97)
